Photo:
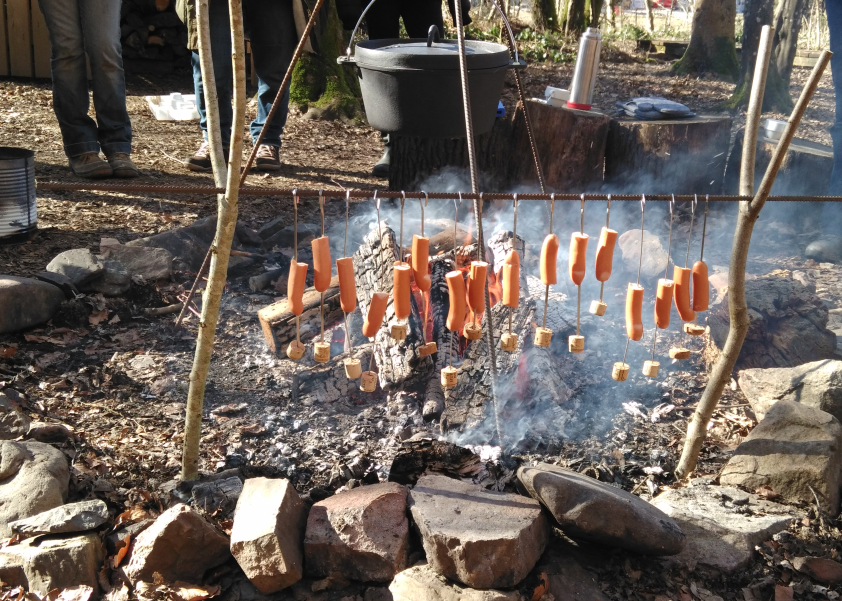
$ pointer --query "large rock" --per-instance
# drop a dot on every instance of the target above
(591, 510)
(723, 524)
(180, 545)
(423, 583)
(794, 448)
(13, 422)
(74, 517)
(362, 534)
(822, 569)
(33, 478)
(151, 264)
(114, 281)
(26, 303)
(655, 256)
(46, 563)
(817, 384)
(788, 324)
(268, 531)
(79, 264)
(480, 538)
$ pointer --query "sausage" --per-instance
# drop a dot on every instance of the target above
(549, 252)
(456, 294)
(321, 263)
(605, 254)
(634, 311)
(681, 275)
(400, 289)
(347, 284)
(663, 303)
(578, 251)
(701, 286)
(511, 279)
(376, 311)
(476, 286)
(295, 286)
(420, 262)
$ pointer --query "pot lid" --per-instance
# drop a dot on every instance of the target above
(416, 54)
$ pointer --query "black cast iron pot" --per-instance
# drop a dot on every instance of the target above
(412, 87)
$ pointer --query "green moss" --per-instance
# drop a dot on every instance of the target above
(721, 61)
(775, 98)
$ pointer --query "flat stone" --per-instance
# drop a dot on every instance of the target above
(423, 583)
(591, 510)
(824, 570)
(266, 539)
(73, 517)
(788, 324)
(817, 384)
(655, 255)
(33, 478)
(151, 264)
(44, 432)
(480, 538)
(826, 248)
(362, 534)
(45, 563)
(79, 265)
(722, 524)
(284, 238)
(114, 541)
(13, 422)
(180, 545)
(26, 303)
(792, 449)
(114, 281)
(62, 282)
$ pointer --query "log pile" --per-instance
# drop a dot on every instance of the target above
(150, 29)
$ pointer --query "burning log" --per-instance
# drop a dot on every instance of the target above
(278, 321)
(399, 363)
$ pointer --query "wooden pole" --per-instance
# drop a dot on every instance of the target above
(738, 310)
(755, 108)
(225, 226)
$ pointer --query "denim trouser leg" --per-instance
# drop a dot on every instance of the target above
(832, 212)
(75, 27)
(220, 33)
(271, 27)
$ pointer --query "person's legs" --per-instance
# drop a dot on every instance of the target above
(832, 212)
(220, 33)
(419, 15)
(383, 20)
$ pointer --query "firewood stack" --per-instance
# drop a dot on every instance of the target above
(150, 29)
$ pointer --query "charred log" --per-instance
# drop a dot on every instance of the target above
(422, 456)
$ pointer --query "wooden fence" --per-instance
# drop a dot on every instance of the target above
(24, 43)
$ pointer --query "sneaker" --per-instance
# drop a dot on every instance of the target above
(201, 161)
(90, 166)
(122, 165)
(381, 169)
(267, 159)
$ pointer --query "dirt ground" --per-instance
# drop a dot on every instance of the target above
(118, 378)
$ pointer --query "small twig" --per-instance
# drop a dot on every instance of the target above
(818, 508)
(169, 309)
(190, 294)
(173, 158)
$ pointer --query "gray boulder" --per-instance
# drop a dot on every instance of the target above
(73, 517)
(828, 248)
(13, 422)
(33, 478)
(46, 563)
(423, 583)
(591, 510)
(788, 324)
(480, 538)
(114, 281)
(817, 384)
(80, 265)
(26, 303)
(723, 524)
(151, 264)
(795, 448)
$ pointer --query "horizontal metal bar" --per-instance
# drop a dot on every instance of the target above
(415, 194)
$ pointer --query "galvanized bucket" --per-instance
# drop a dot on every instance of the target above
(18, 211)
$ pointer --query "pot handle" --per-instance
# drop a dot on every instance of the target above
(354, 33)
(433, 36)
(517, 64)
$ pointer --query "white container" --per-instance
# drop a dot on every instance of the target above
(557, 96)
(775, 128)
(173, 107)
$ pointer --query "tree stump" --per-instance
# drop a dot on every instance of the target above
(680, 156)
(571, 145)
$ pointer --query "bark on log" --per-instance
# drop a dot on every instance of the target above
(417, 457)
(571, 145)
(398, 362)
(682, 156)
(278, 323)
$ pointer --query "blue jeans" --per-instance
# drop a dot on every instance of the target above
(270, 26)
(77, 27)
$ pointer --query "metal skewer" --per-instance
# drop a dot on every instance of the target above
(607, 218)
(621, 370)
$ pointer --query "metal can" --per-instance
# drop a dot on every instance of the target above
(584, 75)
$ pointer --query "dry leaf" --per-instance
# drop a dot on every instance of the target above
(120, 593)
(191, 592)
(81, 592)
(121, 552)
(135, 514)
(230, 409)
(766, 492)
(114, 320)
(253, 430)
(7, 351)
(784, 593)
(98, 316)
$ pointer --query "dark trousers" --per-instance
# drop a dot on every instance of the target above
(384, 18)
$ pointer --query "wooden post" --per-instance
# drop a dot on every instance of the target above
(755, 108)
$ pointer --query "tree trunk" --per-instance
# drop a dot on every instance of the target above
(650, 17)
(319, 85)
(226, 225)
(576, 19)
(788, 19)
(596, 12)
(712, 48)
(544, 15)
